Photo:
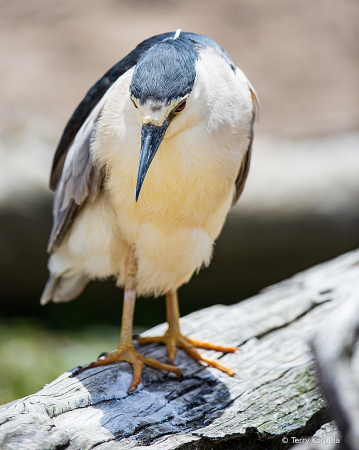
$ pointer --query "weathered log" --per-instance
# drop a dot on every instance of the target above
(336, 354)
(337, 359)
(273, 397)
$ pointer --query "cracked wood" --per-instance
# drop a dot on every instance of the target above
(273, 394)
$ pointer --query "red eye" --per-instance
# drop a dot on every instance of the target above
(181, 107)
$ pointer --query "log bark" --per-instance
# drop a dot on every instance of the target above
(273, 397)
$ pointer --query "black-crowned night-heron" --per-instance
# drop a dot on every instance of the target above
(145, 173)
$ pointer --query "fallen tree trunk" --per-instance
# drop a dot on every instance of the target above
(273, 398)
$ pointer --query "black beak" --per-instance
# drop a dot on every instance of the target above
(150, 141)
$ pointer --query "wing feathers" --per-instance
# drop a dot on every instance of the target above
(81, 178)
(63, 289)
(62, 223)
(255, 101)
(244, 168)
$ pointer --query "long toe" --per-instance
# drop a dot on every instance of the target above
(174, 340)
(137, 371)
(193, 353)
(158, 365)
(137, 360)
(215, 363)
(171, 342)
(171, 352)
(104, 359)
(149, 340)
(210, 346)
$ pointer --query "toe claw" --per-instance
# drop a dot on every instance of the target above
(189, 345)
(76, 371)
(102, 356)
(133, 386)
(91, 365)
(171, 352)
(178, 373)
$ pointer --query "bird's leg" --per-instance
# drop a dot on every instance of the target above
(173, 338)
(126, 350)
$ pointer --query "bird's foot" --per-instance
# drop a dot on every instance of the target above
(174, 340)
(127, 353)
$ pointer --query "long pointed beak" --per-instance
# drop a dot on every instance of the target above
(150, 141)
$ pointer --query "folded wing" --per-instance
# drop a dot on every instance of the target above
(244, 168)
(81, 178)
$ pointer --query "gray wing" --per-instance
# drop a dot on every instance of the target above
(81, 178)
(244, 168)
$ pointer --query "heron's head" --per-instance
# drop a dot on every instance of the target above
(161, 84)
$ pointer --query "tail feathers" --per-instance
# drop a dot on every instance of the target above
(63, 289)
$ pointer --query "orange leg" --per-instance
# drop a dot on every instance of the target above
(173, 338)
(126, 350)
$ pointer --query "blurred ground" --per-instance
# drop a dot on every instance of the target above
(301, 202)
(33, 355)
(302, 57)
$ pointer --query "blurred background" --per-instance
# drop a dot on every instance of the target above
(301, 202)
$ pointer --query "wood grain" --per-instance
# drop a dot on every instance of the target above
(273, 395)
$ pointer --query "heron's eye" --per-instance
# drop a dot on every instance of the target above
(180, 107)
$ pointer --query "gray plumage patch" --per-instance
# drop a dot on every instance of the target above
(63, 289)
(166, 72)
(80, 181)
(246, 161)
